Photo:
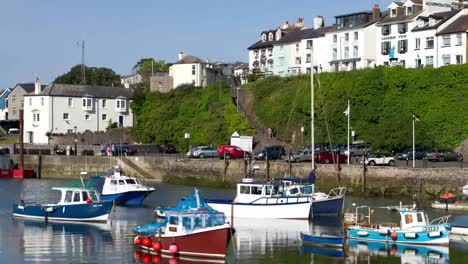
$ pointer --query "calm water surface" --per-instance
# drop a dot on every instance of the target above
(256, 241)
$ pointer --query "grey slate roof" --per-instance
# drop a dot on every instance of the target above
(29, 87)
(459, 25)
(443, 16)
(190, 60)
(319, 32)
(262, 44)
(388, 20)
(72, 90)
(294, 35)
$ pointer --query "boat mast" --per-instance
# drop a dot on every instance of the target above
(312, 115)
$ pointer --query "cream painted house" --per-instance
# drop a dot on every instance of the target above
(192, 71)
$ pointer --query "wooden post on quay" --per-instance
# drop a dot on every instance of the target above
(267, 166)
(364, 170)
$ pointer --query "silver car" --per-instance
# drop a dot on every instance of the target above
(300, 156)
(205, 152)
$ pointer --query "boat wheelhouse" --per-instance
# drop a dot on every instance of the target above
(257, 199)
(75, 204)
(414, 228)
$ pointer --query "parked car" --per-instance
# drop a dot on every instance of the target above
(273, 153)
(13, 131)
(359, 149)
(122, 149)
(231, 152)
(167, 148)
(299, 156)
(443, 155)
(380, 159)
(204, 152)
(193, 149)
(420, 153)
(328, 157)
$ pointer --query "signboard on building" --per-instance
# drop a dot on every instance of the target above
(243, 142)
(437, 5)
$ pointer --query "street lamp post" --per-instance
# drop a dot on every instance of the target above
(237, 98)
(187, 137)
(76, 142)
(302, 135)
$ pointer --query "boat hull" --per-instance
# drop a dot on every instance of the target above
(437, 236)
(456, 230)
(208, 243)
(290, 210)
(331, 206)
(325, 241)
(127, 198)
(450, 206)
(93, 212)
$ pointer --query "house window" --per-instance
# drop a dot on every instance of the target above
(446, 41)
(42, 101)
(402, 28)
(446, 59)
(298, 60)
(459, 59)
(264, 37)
(356, 35)
(459, 39)
(66, 116)
(256, 54)
(14, 98)
(393, 12)
(30, 101)
(346, 52)
(118, 103)
(335, 54)
(308, 70)
(104, 103)
(418, 44)
(429, 60)
(87, 117)
(403, 46)
(36, 117)
(308, 58)
(270, 36)
(70, 102)
(385, 48)
(346, 37)
(356, 51)
(429, 42)
(309, 44)
(14, 111)
(409, 10)
(87, 102)
(193, 69)
(270, 52)
(386, 30)
(104, 117)
(335, 39)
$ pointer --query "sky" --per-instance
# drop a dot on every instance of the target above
(39, 37)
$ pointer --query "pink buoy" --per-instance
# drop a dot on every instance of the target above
(173, 249)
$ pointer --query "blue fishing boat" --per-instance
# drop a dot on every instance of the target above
(124, 190)
(414, 228)
(323, 240)
(75, 204)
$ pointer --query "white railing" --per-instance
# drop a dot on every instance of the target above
(440, 221)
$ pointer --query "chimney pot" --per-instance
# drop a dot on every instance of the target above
(181, 55)
(37, 87)
(376, 15)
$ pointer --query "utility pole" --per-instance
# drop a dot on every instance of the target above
(312, 119)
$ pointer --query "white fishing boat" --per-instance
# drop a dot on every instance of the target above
(256, 199)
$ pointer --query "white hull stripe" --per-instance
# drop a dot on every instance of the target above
(98, 218)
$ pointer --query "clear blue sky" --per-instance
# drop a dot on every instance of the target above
(39, 36)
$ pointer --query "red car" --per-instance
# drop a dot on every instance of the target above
(231, 152)
(326, 157)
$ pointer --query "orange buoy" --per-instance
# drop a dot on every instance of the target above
(147, 242)
(394, 235)
(157, 246)
(137, 241)
(393, 250)
(173, 249)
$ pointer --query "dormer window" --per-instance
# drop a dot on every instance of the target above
(409, 10)
(432, 21)
(264, 37)
(270, 37)
(393, 12)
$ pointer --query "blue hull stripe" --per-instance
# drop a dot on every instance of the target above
(332, 206)
(127, 198)
(373, 235)
(72, 212)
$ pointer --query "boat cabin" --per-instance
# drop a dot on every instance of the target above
(412, 218)
(249, 190)
(119, 183)
(183, 222)
(76, 196)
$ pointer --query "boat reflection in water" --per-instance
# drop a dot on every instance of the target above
(258, 236)
(143, 256)
(413, 254)
(63, 241)
(320, 226)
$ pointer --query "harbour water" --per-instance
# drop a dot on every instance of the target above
(256, 241)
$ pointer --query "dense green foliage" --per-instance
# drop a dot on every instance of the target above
(383, 101)
(94, 76)
(208, 114)
(146, 66)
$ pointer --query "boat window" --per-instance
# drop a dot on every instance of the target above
(301, 189)
(268, 190)
(85, 195)
(68, 196)
(409, 219)
(114, 182)
(93, 196)
(174, 220)
(308, 189)
(256, 190)
(245, 189)
(420, 217)
(293, 191)
(130, 181)
(121, 182)
(76, 197)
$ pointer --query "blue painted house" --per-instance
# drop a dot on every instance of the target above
(4, 104)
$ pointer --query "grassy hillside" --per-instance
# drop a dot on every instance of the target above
(382, 103)
(208, 114)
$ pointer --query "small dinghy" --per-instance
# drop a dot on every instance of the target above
(75, 204)
(323, 240)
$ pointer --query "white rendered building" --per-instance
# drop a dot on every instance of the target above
(192, 71)
(64, 108)
(452, 38)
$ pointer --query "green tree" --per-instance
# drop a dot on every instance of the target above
(94, 76)
(146, 66)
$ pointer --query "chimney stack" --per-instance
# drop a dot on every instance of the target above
(37, 86)
(319, 22)
(376, 15)
(286, 25)
(181, 55)
(300, 22)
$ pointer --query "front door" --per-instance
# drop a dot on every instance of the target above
(121, 121)
(30, 136)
